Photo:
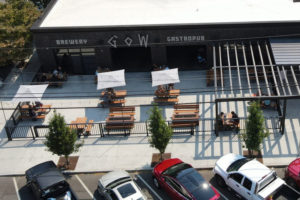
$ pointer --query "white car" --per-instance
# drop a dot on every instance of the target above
(249, 178)
(118, 185)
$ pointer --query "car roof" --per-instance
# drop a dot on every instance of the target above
(46, 174)
(136, 195)
(49, 178)
(195, 184)
(113, 176)
(294, 166)
(254, 170)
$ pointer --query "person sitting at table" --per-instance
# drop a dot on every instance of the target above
(161, 91)
(170, 86)
(31, 112)
(235, 118)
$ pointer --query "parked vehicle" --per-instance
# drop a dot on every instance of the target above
(251, 179)
(292, 174)
(118, 185)
(181, 181)
(46, 182)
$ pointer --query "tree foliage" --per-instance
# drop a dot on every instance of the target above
(16, 18)
(61, 140)
(41, 3)
(255, 128)
(161, 133)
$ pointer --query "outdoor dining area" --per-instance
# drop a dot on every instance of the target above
(228, 122)
(164, 80)
(30, 106)
(107, 81)
(120, 118)
(81, 126)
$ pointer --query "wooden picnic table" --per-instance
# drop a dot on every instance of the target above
(79, 123)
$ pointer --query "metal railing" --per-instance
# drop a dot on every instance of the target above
(140, 129)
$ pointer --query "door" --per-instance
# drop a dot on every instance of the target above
(170, 188)
(247, 188)
(235, 181)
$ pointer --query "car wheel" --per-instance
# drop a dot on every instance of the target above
(155, 182)
(220, 181)
(291, 183)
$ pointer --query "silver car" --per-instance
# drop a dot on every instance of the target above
(118, 185)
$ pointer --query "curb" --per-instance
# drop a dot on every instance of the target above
(130, 171)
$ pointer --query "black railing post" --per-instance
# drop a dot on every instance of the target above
(283, 117)
(8, 133)
(147, 127)
(216, 121)
(101, 130)
(36, 131)
(32, 132)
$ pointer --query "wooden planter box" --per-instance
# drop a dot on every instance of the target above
(156, 157)
(256, 155)
(72, 162)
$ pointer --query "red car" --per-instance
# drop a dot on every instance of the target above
(292, 174)
(181, 181)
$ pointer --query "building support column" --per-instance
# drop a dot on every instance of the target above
(209, 55)
(47, 59)
(159, 55)
(104, 57)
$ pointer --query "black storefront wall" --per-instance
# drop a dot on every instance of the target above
(106, 40)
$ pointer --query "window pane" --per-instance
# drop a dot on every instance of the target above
(88, 50)
(74, 50)
(247, 184)
(237, 177)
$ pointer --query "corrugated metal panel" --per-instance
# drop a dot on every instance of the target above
(286, 50)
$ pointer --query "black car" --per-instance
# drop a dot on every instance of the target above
(46, 181)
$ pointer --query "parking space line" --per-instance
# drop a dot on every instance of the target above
(84, 186)
(16, 188)
(148, 186)
(222, 195)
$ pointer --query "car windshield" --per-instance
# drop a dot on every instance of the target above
(126, 190)
(175, 169)
(236, 165)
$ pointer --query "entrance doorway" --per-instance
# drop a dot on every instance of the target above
(133, 59)
(187, 57)
(77, 61)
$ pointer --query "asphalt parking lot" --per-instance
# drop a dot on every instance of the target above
(85, 186)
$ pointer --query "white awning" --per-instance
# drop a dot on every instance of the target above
(286, 50)
(30, 92)
(163, 77)
(111, 79)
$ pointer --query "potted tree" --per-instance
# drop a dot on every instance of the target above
(61, 140)
(255, 131)
(161, 134)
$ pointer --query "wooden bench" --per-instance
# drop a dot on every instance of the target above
(125, 127)
(191, 125)
(185, 111)
(89, 127)
(169, 93)
(186, 106)
(29, 117)
(122, 109)
(121, 114)
(166, 100)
